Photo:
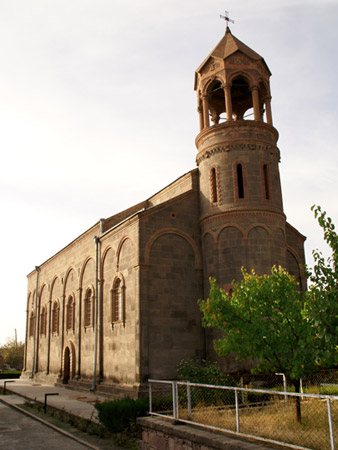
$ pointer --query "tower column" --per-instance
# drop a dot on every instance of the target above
(228, 101)
(255, 103)
(200, 114)
(206, 122)
(268, 110)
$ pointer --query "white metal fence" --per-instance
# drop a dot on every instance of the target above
(262, 414)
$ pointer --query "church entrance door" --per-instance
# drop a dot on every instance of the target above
(66, 366)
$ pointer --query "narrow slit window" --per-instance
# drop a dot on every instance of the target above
(43, 325)
(70, 313)
(240, 184)
(214, 196)
(118, 301)
(31, 324)
(88, 308)
(117, 316)
(266, 182)
(55, 318)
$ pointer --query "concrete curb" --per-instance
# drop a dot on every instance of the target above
(59, 430)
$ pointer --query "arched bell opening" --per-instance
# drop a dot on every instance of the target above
(216, 102)
(250, 102)
(264, 102)
(241, 98)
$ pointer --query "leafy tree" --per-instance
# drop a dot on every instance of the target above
(264, 319)
(322, 298)
(13, 353)
(267, 317)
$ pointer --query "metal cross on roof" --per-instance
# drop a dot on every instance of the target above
(227, 18)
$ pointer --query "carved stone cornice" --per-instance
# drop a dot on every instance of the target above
(205, 154)
(237, 130)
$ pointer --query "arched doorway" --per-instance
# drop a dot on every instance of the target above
(68, 362)
(66, 366)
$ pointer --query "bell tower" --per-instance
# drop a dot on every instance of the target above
(241, 209)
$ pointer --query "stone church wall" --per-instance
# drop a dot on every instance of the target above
(119, 338)
(171, 283)
(180, 186)
(70, 275)
(60, 277)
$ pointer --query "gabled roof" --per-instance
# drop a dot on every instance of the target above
(229, 45)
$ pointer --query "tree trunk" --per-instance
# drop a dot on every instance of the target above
(296, 384)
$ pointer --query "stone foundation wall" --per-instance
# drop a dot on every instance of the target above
(161, 434)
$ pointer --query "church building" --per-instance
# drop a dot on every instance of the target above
(118, 305)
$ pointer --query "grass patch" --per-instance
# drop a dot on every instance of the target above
(2, 391)
(328, 390)
(275, 420)
(89, 431)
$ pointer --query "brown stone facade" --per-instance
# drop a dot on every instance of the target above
(118, 305)
(147, 272)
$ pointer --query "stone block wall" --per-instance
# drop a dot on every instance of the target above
(171, 283)
(72, 273)
(161, 434)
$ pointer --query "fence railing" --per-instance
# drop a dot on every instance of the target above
(299, 421)
(320, 382)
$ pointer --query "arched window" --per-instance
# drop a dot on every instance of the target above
(240, 181)
(70, 313)
(31, 324)
(88, 307)
(43, 321)
(266, 182)
(55, 317)
(118, 306)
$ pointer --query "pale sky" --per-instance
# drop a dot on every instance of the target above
(98, 112)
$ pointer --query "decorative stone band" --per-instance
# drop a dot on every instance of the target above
(205, 154)
(237, 213)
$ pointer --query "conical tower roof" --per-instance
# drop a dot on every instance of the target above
(227, 46)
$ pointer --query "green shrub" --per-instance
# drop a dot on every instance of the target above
(204, 372)
(118, 415)
(160, 404)
(9, 374)
(257, 397)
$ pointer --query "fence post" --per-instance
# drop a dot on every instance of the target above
(189, 400)
(301, 387)
(150, 398)
(237, 411)
(329, 414)
(284, 386)
(174, 394)
(45, 403)
(177, 402)
(242, 386)
(5, 382)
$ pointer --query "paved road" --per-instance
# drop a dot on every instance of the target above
(20, 432)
